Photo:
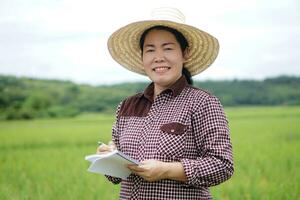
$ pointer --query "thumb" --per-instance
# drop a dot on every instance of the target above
(112, 145)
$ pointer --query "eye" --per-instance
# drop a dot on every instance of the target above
(149, 50)
(168, 48)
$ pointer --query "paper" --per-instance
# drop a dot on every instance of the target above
(113, 164)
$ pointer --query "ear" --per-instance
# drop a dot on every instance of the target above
(186, 54)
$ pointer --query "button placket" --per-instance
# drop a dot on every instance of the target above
(143, 138)
(149, 120)
(160, 100)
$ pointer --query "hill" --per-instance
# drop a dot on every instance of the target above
(27, 98)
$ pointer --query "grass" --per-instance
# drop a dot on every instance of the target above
(266, 142)
(44, 159)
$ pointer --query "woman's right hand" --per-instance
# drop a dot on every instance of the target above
(106, 148)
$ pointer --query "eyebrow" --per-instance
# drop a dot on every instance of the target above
(164, 44)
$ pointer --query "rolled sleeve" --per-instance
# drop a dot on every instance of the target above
(114, 180)
(214, 164)
(189, 169)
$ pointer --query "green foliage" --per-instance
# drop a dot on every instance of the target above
(25, 98)
(62, 111)
(282, 90)
(44, 158)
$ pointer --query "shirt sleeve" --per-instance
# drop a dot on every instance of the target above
(214, 163)
(115, 139)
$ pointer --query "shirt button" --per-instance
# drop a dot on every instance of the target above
(172, 130)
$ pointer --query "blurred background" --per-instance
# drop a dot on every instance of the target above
(59, 89)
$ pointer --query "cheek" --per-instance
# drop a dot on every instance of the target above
(146, 65)
(147, 69)
(178, 61)
(146, 60)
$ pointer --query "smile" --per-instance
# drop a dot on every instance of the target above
(161, 69)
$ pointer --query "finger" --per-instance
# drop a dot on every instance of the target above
(144, 167)
(135, 168)
(112, 145)
(103, 148)
(150, 161)
(146, 176)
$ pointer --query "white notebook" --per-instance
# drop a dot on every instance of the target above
(112, 163)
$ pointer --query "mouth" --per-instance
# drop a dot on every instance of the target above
(161, 69)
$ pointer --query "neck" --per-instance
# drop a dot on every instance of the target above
(157, 90)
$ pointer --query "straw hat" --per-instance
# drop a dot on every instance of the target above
(123, 44)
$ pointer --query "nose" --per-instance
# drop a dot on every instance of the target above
(159, 57)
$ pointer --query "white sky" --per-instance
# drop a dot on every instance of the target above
(66, 39)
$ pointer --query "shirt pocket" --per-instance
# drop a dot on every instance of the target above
(172, 140)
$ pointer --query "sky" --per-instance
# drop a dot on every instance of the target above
(67, 39)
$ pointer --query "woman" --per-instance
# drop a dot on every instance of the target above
(179, 133)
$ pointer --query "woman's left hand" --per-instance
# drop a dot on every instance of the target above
(150, 170)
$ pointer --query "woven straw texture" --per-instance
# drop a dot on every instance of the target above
(123, 46)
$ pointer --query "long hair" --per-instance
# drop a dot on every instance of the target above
(180, 39)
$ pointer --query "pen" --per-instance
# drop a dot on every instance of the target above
(100, 143)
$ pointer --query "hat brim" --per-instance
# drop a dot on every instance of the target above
(123, 46)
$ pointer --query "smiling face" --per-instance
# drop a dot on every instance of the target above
(162, 58)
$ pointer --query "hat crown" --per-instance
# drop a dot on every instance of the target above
(123, 44)
(168, 13)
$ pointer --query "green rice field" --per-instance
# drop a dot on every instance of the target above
(44, 159)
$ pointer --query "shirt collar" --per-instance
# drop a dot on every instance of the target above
(174, 89)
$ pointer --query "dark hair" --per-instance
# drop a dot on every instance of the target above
(180, 39)
(187, 75)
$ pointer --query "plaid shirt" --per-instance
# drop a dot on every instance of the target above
(183, 124)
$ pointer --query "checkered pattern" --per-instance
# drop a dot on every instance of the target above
(187, 126)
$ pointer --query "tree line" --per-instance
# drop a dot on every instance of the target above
(27, 98)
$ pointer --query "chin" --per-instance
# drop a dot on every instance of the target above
(163, 81)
